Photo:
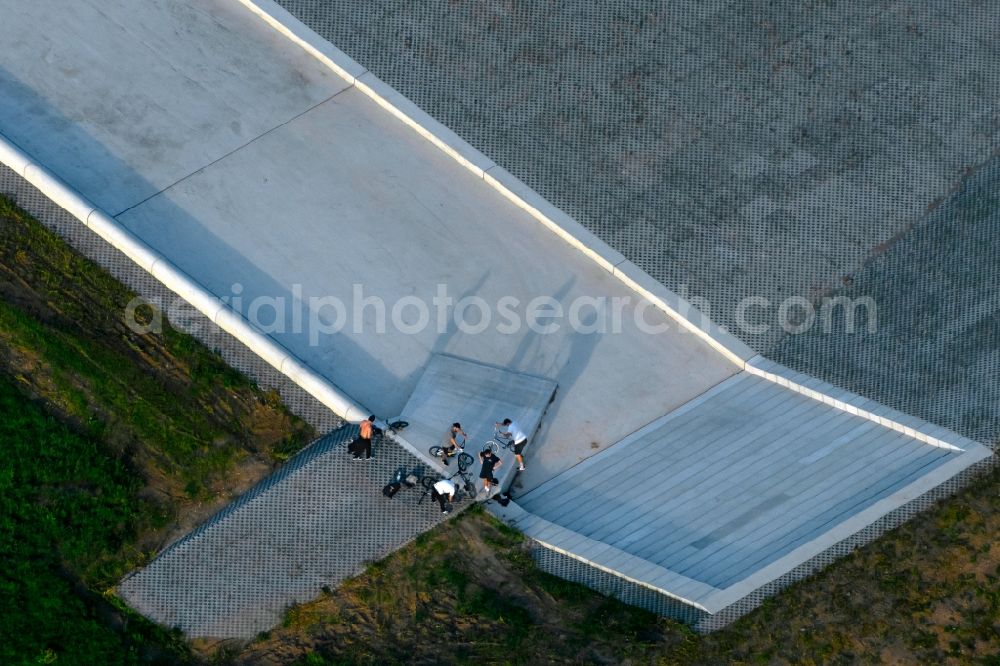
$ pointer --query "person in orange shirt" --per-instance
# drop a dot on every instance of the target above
(364, 442)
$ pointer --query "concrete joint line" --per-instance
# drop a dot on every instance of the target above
(223, 157)
(470, 158)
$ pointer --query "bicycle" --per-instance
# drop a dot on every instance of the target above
(399, 479)
(464, 459)
(499, 441)
(394, 427)
(467, 485)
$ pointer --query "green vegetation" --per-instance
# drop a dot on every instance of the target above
(466, 592)
(66, 510)
(111, 442)
(63, 336)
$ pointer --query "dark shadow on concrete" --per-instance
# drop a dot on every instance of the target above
(339, 349)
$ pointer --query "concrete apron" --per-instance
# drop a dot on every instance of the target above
(476, 395)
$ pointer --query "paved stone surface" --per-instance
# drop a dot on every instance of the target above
(737, 149)
(936, 352)
(317, 521)
(724, 147)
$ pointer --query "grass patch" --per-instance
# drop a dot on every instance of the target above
(63, 336)
(94, 417)
(66, 509)
(469, 592)
(108, 438)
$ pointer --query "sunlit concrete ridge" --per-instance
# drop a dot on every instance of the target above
(245, 154)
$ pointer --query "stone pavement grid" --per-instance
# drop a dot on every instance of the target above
(936, 353)
(320, 519)
(234, 575)
(734, 149)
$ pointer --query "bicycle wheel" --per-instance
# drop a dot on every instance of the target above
(427, 482)
(469, 487)
(493, 446)
(465, 461)
(436, 451)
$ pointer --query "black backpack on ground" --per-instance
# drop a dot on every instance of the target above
(391, 488)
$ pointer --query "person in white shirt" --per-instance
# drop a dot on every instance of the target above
(444, 492)
(512, 431)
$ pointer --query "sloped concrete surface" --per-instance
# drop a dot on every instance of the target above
(730, 148)
(327, 191)
(736, 480)
(325, 188)
(748, 148)
(122, 100)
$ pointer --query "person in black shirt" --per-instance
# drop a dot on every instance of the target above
(490, 462)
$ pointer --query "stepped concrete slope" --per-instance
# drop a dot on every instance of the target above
(750, 475)
(294, 191)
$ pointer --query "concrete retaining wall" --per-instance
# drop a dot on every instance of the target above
(179, 282)
(739, 604)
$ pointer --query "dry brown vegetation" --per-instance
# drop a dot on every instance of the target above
(468, 592)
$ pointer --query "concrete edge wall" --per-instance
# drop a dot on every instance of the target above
(604, 557)
(701, 596)
(844, 530)
(564, 226)
(852, 403)
(179, 282)
(187, 288)
(576, 235)
(230, 321)
(726, 610)
(609, 584)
